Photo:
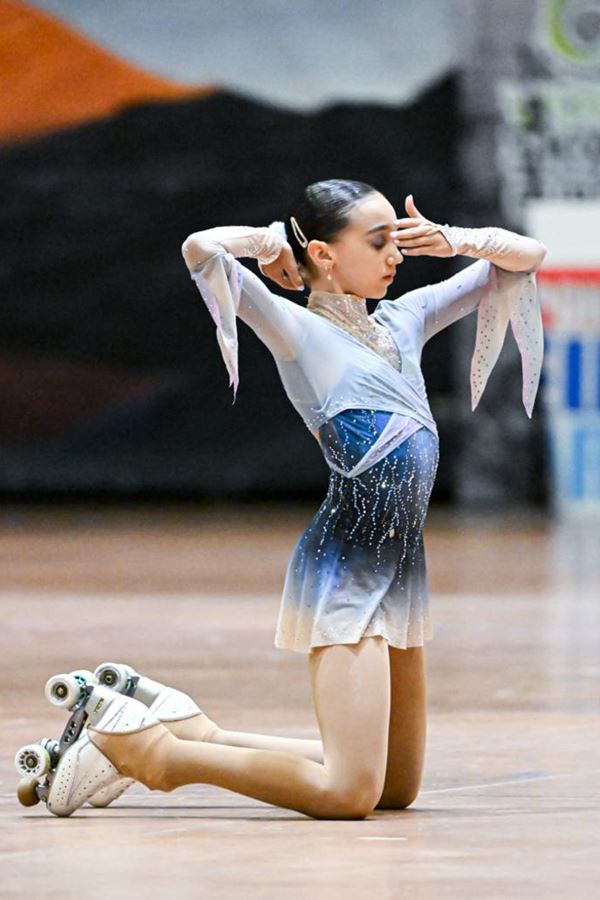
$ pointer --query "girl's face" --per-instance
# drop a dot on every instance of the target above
(362, 259)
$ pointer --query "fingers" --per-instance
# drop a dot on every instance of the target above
(295, 284)
(280, 277)
(424, 250)
(413, 245)
(289, 269)
(407, 234)
(407, 223)
(284, 272)
(414, 228)
(411, 209)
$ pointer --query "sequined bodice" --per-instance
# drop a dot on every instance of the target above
(349, 312)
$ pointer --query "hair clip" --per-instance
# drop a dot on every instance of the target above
(300, 236)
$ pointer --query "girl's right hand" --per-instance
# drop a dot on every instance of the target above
(284, 270)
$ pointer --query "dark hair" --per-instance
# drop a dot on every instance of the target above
(323, 210)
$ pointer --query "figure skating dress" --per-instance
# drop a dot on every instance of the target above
(358, 569)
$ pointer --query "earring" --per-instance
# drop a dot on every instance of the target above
(329, 274)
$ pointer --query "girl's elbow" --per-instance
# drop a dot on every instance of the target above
(543, 252)
(540, 255)
(189, 251)
(197, 248)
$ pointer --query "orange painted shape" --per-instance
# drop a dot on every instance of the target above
(52, 77)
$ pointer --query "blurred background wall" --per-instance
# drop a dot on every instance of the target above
(126, 125)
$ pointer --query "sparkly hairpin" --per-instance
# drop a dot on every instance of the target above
(300, 236)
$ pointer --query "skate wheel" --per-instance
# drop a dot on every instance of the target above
(84, 676)
(64, 691)
(52, 747)
(26, 792)
(115, 676)
(32, 760)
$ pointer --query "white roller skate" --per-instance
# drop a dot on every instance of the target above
(164, 703)
(74, 768)
(34, 761)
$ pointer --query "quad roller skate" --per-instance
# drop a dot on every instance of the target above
(34, 761)
(165, 703)
(66, 773)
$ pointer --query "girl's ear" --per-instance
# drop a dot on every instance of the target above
(319, 253)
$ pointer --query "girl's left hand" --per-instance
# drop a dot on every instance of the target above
(418, 235)
(284, 270)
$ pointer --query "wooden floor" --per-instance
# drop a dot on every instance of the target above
(510, 801)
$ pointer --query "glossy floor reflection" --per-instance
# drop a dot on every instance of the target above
(510, 800)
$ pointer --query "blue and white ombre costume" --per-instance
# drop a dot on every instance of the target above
(358, 569)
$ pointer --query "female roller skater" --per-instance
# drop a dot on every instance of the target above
(355, 593)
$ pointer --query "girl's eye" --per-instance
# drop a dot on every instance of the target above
(378, 245)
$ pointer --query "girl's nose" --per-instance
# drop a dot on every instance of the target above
(394, 257)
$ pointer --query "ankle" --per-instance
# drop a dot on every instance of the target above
(196, 728)
(141, 755)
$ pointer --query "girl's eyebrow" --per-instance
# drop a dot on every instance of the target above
(382, 227)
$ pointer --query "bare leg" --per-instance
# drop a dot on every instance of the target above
(351, 693)
(406, 747)
(309, 749)
(201, 728)
(408, 727)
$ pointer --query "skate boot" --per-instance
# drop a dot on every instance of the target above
(77, 769)
(164, 703)
(34, 761)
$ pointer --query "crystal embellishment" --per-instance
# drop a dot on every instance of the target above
(348, 311)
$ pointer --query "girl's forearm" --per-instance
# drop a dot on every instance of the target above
(263, 244)
(506, 249)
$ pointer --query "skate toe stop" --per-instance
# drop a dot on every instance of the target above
(26, 792)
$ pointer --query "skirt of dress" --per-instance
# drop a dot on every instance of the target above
(358, 569)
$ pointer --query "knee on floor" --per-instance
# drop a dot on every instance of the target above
(398, 798)
(355, 801)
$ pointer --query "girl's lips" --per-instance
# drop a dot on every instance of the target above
(388, 277)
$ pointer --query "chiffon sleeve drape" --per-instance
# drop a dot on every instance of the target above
(500, 297)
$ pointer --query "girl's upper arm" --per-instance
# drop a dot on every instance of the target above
(426, 310)
(231, 290)
(500, 296)
(447, 301)
(271, 317)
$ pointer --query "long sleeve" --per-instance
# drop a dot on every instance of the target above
(230, 290)
(264, 244)
(506, 249)
(448, 301)
(500, 297)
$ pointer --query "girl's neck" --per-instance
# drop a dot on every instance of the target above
(345, 307)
